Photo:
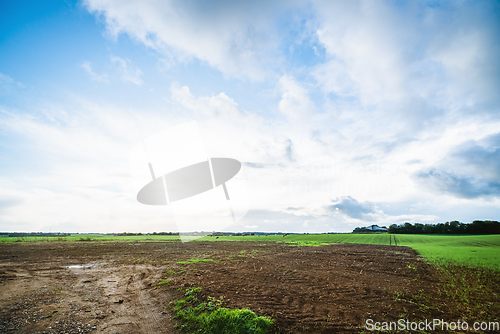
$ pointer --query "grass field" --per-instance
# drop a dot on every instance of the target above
(92, 237)
(469, 250)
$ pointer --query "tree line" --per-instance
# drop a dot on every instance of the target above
(34, 234)
(453, 227)
(365, 230)
(154, 233)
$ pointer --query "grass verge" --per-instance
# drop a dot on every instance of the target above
(200, 314)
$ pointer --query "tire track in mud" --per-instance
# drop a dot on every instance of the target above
(149, 312)
(132, 308)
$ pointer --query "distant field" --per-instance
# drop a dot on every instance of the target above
(92, 237)
(470, 250)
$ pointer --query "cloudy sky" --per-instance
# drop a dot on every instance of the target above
(343, 113)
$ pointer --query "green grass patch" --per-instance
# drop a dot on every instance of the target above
(194, 261)
(164, 281)
(205, 315)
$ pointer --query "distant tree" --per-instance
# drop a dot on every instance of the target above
(394, 229)
(418, 228)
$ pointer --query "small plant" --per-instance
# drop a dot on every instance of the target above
(51, 314)
(164, 281)
(194, 261)
(213, 303)
(412, 266)
(172, 272)
(179, 305)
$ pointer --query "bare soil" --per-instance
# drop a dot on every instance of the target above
(328, 289)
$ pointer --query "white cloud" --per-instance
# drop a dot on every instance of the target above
(354, 209)
(236, 37)
(387, 55)
(82, 173)
(470, 169)
(97, 77)
(407, 83)
(83, 150)
(318, 172)
(214, 106)
(295, 102)
(129, 72)
(7, 83)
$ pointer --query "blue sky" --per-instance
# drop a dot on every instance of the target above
(344, 113)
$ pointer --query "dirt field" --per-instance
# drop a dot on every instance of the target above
(328, 289)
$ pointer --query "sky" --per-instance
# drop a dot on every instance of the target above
(342, 113)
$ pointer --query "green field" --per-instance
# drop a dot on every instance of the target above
(470, 250)
(92, 237)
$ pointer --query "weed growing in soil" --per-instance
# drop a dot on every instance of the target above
(205, 315)
(474, 290)
(468, 293)
(164, 281)
(51, 314)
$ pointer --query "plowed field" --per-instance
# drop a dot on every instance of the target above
(327, 289)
